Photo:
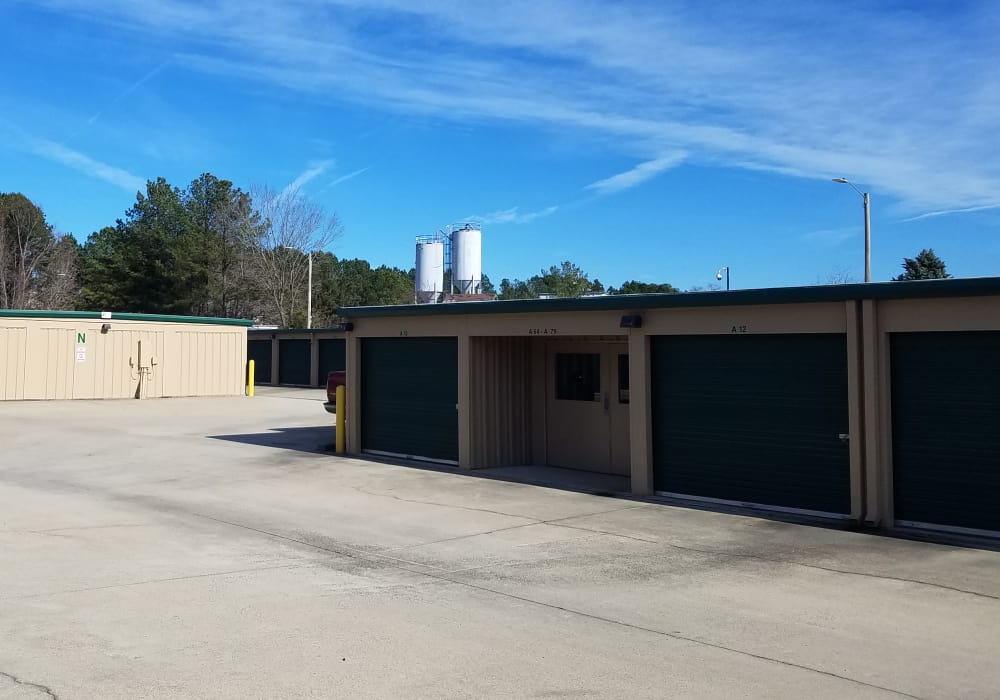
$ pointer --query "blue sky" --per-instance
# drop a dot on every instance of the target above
(649, 140)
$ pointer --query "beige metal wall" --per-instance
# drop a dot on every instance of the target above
(501, 412)
(13, 348)
(53, 358)
(502, 369)
(502, 418)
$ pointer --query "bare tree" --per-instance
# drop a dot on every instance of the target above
(26, 242)
(839, 276)
(284, 228)
(59, 280)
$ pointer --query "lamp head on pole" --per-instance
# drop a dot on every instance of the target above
(845, 181)
(718, 275)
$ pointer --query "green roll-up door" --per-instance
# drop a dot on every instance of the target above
(293, 361)
(946, 428)
(409, 392)
(754, 419)
(332, 357)
(260, 352)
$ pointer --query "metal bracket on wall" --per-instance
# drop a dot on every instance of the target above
(142, 374)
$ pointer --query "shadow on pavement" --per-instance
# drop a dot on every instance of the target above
(320, 440)
(317, 439)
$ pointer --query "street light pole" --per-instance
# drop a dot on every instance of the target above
(309, 303)
(868, 226)
(868, 239)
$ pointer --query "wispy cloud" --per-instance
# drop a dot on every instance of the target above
(514, 215)
(946, 212)
(832, 236)
(637, 175)
(349, 176)
(129, 90)
(87, 165)
(732, 87)
(315, 169)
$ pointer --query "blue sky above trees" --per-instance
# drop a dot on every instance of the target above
(654, 141)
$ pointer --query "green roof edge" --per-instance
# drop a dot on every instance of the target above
(920, 289)
(328, 329)
(115, 316)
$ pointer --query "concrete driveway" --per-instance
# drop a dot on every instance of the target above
(204, 548)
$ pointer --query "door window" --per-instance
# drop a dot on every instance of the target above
(578, 376)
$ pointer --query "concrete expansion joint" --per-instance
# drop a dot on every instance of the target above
(28, 684)
(442, 505)
(557, 522)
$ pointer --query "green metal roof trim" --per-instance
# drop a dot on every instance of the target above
(286, 331)
(96, 316)
(922, 289)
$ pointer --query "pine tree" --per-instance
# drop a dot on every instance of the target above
(926, 266)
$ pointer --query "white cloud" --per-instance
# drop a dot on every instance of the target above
(130, 89)
(349, 176)
(946, 212)
(513, 216)
(637, 175)
(315, 169)
(833, 236)
(734, 84)
(87, 165)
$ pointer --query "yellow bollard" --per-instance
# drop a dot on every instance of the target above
(250, 379)
(341, 410)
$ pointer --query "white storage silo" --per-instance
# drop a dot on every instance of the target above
(429, 270)
(467, 258)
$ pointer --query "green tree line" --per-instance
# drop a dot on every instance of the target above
(208, 249)
(212, 249)
(568, 280)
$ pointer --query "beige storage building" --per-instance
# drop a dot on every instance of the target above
(90, 355)
(867, 403)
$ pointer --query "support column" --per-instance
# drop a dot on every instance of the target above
(874, 442)
(855, 409)
(464, 406)
(352, 350)
(275, 358)
(314, 378)
(640, 413)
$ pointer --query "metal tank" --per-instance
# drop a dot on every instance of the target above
(467, 258)
(429, 270)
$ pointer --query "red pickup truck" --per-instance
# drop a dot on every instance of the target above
(333, 380)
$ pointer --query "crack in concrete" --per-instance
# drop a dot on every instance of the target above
(789, 562)
(367, 556)
(442, 505)
(171, 579)
(94, 527)
(28, 684)
(509, 527)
